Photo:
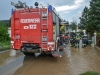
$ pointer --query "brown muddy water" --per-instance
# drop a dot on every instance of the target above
(73, 62)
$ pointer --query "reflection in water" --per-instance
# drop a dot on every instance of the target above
(13, 53)
(8, 56)
(3, 57)
(73, 62)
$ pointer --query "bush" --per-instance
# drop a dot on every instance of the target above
(4, 37)
(5, 45)
(90, 73)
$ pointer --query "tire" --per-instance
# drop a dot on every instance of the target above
(28, 54)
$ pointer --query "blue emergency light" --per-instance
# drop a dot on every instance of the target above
(12, 11)
(50, 8)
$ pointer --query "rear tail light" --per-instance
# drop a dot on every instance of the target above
(51, 45)
(50, 48)
(12, 44)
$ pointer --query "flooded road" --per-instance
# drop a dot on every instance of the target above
(9, 63)
(73, 62)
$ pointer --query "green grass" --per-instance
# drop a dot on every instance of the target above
(5, 45)
(90, 73)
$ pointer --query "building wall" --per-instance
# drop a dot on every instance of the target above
(9, 31)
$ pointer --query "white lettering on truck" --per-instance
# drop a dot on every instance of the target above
(31, 26)
(33, 20)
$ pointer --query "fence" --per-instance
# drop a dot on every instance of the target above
(98, 41)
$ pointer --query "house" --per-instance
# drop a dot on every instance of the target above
(9, 31)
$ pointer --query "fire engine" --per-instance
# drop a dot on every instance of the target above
(36, 29)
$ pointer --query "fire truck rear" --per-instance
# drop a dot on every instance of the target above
(36, 30)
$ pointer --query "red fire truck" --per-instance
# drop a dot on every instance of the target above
(36, 30)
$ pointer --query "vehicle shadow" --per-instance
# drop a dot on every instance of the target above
(31, 64)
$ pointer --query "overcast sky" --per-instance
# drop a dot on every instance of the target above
(69, 10)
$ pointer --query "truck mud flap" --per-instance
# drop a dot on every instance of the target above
(62, 47)
(57, 53)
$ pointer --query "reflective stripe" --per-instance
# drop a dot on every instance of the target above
(77, 37)
(50, 42)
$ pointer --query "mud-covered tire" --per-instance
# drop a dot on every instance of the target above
(28, 54)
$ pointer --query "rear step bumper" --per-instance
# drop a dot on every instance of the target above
(32, 50)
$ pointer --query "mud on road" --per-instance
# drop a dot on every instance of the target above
(44, 65)
(73, 62)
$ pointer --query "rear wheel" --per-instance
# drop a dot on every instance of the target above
(28, 54)
(25, 53)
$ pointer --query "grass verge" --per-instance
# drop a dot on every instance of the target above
(5, 45)
(90, 73)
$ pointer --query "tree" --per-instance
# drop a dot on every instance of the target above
(94, 18)
(73, 25)
(84, 19)
(4, 36)
(9, 23)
